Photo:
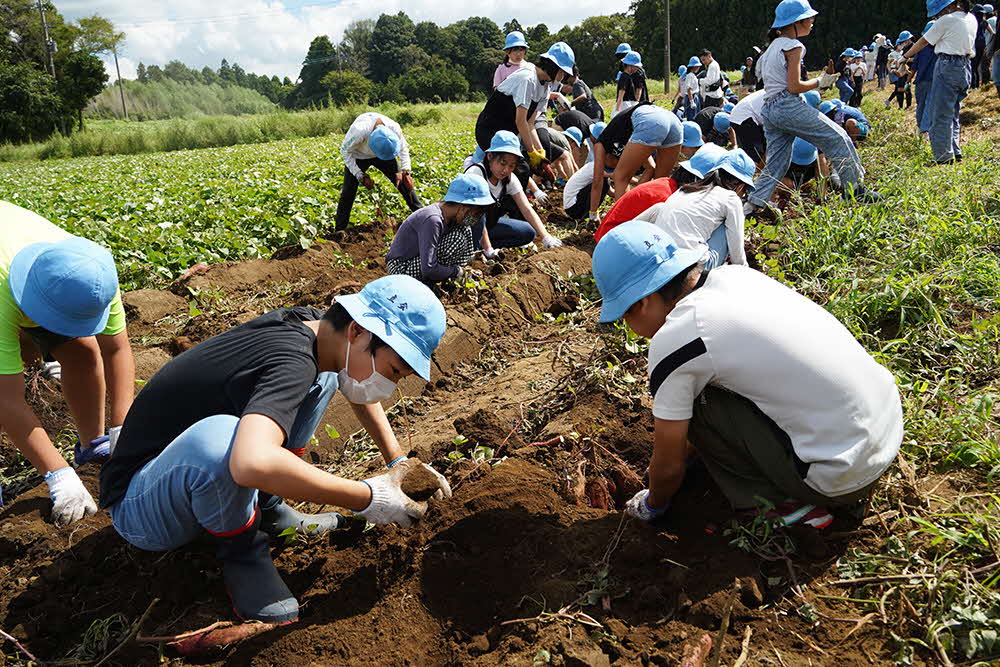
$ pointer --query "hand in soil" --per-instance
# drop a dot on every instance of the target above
(423, 483)
(390, 504)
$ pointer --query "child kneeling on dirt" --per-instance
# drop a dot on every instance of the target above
(781, 403)
(60, 293)
(435, 243)
(213, 442)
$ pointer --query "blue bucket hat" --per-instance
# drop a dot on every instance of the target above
(792, 11)
(632, 58)
(812, 98)
(743, 68)
(562, 55)
(930, 24)
(847, 52)
(694, 62)
(826, 107)
(596, 129)
(803, 152)
(404, 313)
(728, 107)
(622, 49)
(575, 134)
(634, 260)
(705, 160)
(721, 122)
(934, 7)
(977, 9)
(66, 287)
(692, 134)
(739, 164)
(469, 189)
(384, 143)
(505, 141)
(989, 9)
(837, 104)
(903, 36)
(514, 40)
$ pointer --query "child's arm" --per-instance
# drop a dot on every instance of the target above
(735, 222)
(796, 85)
(667, 465)
(917, 48)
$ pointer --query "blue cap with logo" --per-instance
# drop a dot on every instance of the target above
(469, 189)
(515, 39)
(384, 143)
(634, 260)
(404, 313)
(506, 141)
(66, 287)
(692, 134)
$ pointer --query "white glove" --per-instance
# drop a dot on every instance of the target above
(390, 505)
(826, 80)
(640, 509)
(540, 196)
(70, 500)
(595, 218)
(113, 434)
(550, 241)
(492, 253)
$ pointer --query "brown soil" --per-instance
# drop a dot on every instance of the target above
(420, 483)
(530, 548)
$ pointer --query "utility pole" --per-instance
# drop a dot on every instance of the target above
(121, 90)
(666, 51)
(48, 42)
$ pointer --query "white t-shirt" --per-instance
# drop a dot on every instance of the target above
(954, 34)
(513, 186)
(858, 69)
(774, 67)
(691, 84)
(579, 182)
(524, 86)
(795, 362)
(691, 217)
(714, 75)
(682, 86)
(354, 147)
(749, 108)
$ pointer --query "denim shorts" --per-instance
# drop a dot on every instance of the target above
(655, 126)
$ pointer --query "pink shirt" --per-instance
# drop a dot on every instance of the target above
(503, 71)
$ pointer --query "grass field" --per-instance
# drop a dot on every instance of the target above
(916, 279)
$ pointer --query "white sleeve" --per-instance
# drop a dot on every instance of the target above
(735, 221)
(679, 369)
(649, 215)
(934, 35)
(714, 74)
(403, 159)
(359, 131)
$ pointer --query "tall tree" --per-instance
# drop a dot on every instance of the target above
(392, 34)
(355, 47)
(511, 26)
(83, 77)
(320, 61)
(98, 36)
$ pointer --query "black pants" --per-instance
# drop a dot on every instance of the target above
(350, 191)
(859, 82)
(898, 93)
(707, 101)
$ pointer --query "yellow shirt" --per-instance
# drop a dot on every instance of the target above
(20, 228)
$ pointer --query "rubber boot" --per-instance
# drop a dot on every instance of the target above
(277, 517)
(253, 583)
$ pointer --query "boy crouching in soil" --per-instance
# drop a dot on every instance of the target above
(781, 403)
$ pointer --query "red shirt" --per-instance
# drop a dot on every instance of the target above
(634, 202)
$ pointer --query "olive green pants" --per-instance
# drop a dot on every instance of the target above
(749, 456)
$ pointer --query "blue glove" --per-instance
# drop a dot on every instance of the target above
(639, 507)
(99, 447)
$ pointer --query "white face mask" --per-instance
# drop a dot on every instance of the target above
(376, 387)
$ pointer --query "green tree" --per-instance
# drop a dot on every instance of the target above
(320, 61)
(511, 26)
(353, 50)
(391, 35)
(593, 42)
(346, 87)
(536, 34)
(140, 73)
(98, 36)
(29, 104)
(83, 77)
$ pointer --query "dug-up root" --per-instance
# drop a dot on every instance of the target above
(210, 639)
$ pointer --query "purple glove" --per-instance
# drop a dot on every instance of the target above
(99, 447)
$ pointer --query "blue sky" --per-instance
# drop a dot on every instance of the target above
(272, 36)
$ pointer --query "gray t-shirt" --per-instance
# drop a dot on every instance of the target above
(774, 67)
(419, 235)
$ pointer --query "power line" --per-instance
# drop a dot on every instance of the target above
(193, 20)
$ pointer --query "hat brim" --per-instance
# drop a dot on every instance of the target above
(697, 145)
(485, 200)
(507, 150)
(734, 172)
(690, 167)
(522, 45)
(614, 309)
(778, 23)
(567, 70)
(368, 319)
(40, 311)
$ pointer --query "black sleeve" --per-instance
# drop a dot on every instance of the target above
(280, 387)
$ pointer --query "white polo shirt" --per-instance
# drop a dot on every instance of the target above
(798, 364)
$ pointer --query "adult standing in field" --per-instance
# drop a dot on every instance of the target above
(870, 56)
(979, 46)
(953, 36)
(632, 88)
(511, 221)
(645, 136)
(582, 97)
(61, 292)
(515, 104)
(516, 49)
(435, 243)
(882, 50)
(787, 116)
(923, 77)
(710, 81)
(374, 140)
(214, 440)
(807, 422)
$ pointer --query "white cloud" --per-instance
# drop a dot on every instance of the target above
(272, 36)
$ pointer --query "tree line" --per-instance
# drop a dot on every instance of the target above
(272, 88)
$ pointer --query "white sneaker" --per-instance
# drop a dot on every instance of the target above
(52, 370)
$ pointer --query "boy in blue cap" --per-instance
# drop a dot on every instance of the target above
(374, 140)
(213, 442)
(61, 292)
(775, 396)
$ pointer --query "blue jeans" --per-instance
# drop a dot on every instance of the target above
(996, 71)
(952, 78)
(655, 126)
(507, 233)
(923, 118)
(786, 117)
(188, 488)
(691, 109)
(718, 249)
(846, 90)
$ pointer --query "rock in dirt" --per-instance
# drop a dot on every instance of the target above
(585, 656)
(750, 592)
(148, 306)
(420, 483)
